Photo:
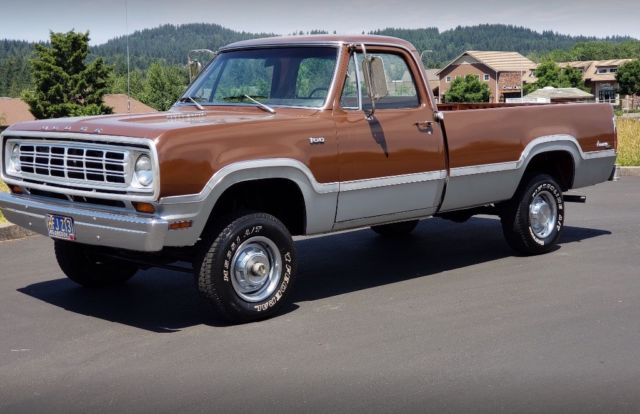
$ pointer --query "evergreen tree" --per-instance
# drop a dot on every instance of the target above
(63, 84)
(468, 89)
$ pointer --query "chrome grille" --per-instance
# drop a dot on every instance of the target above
(91, 165)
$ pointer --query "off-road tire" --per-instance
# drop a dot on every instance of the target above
(213, 267)
(515, 217)
(395, 229)
(81, 264)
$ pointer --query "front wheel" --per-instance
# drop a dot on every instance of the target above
(247, 270)
(533, 219)
(87, 268)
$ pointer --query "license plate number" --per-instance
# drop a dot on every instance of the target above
(61, 227)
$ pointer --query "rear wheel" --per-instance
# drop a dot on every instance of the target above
(84, 266)
(533, 219)
(395, 229)
(247, 270)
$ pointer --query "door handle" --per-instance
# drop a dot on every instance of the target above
(425, 126)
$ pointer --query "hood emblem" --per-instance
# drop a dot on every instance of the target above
(186, 115)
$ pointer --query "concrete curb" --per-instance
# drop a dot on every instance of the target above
(629, 171)
(12, 232)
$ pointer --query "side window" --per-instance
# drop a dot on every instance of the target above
(400, 83)
(349, 98)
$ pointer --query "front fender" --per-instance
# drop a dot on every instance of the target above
(320, 198)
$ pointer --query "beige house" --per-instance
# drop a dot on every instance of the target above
(600, 76)
(504, 72)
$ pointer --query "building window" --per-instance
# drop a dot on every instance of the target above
(607, 95)
(448, 79)
(613, 70)
(602, 70)
(486, 77)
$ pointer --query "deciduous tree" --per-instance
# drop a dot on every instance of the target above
(628, 78)
(548, 73)
(163, 85)
(468, 89)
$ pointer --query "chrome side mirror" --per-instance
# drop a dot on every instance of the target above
(195, 68)
(195, 59)
(375, 79)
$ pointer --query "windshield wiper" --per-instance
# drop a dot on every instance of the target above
(261, 105)
(192, 100)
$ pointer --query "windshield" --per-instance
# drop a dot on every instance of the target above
(286, 76)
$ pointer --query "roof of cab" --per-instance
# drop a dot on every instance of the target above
(320, 39)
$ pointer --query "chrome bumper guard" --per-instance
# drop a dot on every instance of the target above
(92, 226)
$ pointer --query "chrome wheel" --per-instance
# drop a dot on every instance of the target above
(256, 269)
(543, 214)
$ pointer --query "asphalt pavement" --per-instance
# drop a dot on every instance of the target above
(448, 320)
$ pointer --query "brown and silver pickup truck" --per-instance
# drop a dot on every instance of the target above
(292, 136)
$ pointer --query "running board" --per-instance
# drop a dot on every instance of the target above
(570, 198)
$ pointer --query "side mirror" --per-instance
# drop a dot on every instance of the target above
(195, 68)
(195, 59)
(376, 80)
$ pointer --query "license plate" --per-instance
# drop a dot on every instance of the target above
(61, 227)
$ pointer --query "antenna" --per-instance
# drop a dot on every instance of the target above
(126, 23)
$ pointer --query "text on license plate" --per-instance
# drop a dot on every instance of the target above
(61, 227)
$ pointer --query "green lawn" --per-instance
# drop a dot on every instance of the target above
(628, 142)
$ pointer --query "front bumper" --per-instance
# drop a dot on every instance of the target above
(92, 226)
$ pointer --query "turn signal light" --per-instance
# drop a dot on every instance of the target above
(144, 207)
(177, 225)
(15, 189)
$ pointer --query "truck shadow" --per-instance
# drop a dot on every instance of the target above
(164, 301)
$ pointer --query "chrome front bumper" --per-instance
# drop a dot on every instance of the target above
(92, 226)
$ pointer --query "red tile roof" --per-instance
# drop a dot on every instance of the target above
(13, 110)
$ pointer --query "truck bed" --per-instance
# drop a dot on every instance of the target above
(490, 146)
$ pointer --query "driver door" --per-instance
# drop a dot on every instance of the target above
(392, 166)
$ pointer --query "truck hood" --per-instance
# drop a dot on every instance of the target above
(154, 124)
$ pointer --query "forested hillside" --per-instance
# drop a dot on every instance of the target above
(169, 44)
(448, 44)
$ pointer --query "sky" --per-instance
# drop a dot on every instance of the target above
(32, 20)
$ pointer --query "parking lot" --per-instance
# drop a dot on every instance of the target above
(447, 320)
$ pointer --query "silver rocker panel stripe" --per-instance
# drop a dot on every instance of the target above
(392, 180)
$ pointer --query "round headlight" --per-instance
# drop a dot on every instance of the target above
(15, 158)
(144, 171)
